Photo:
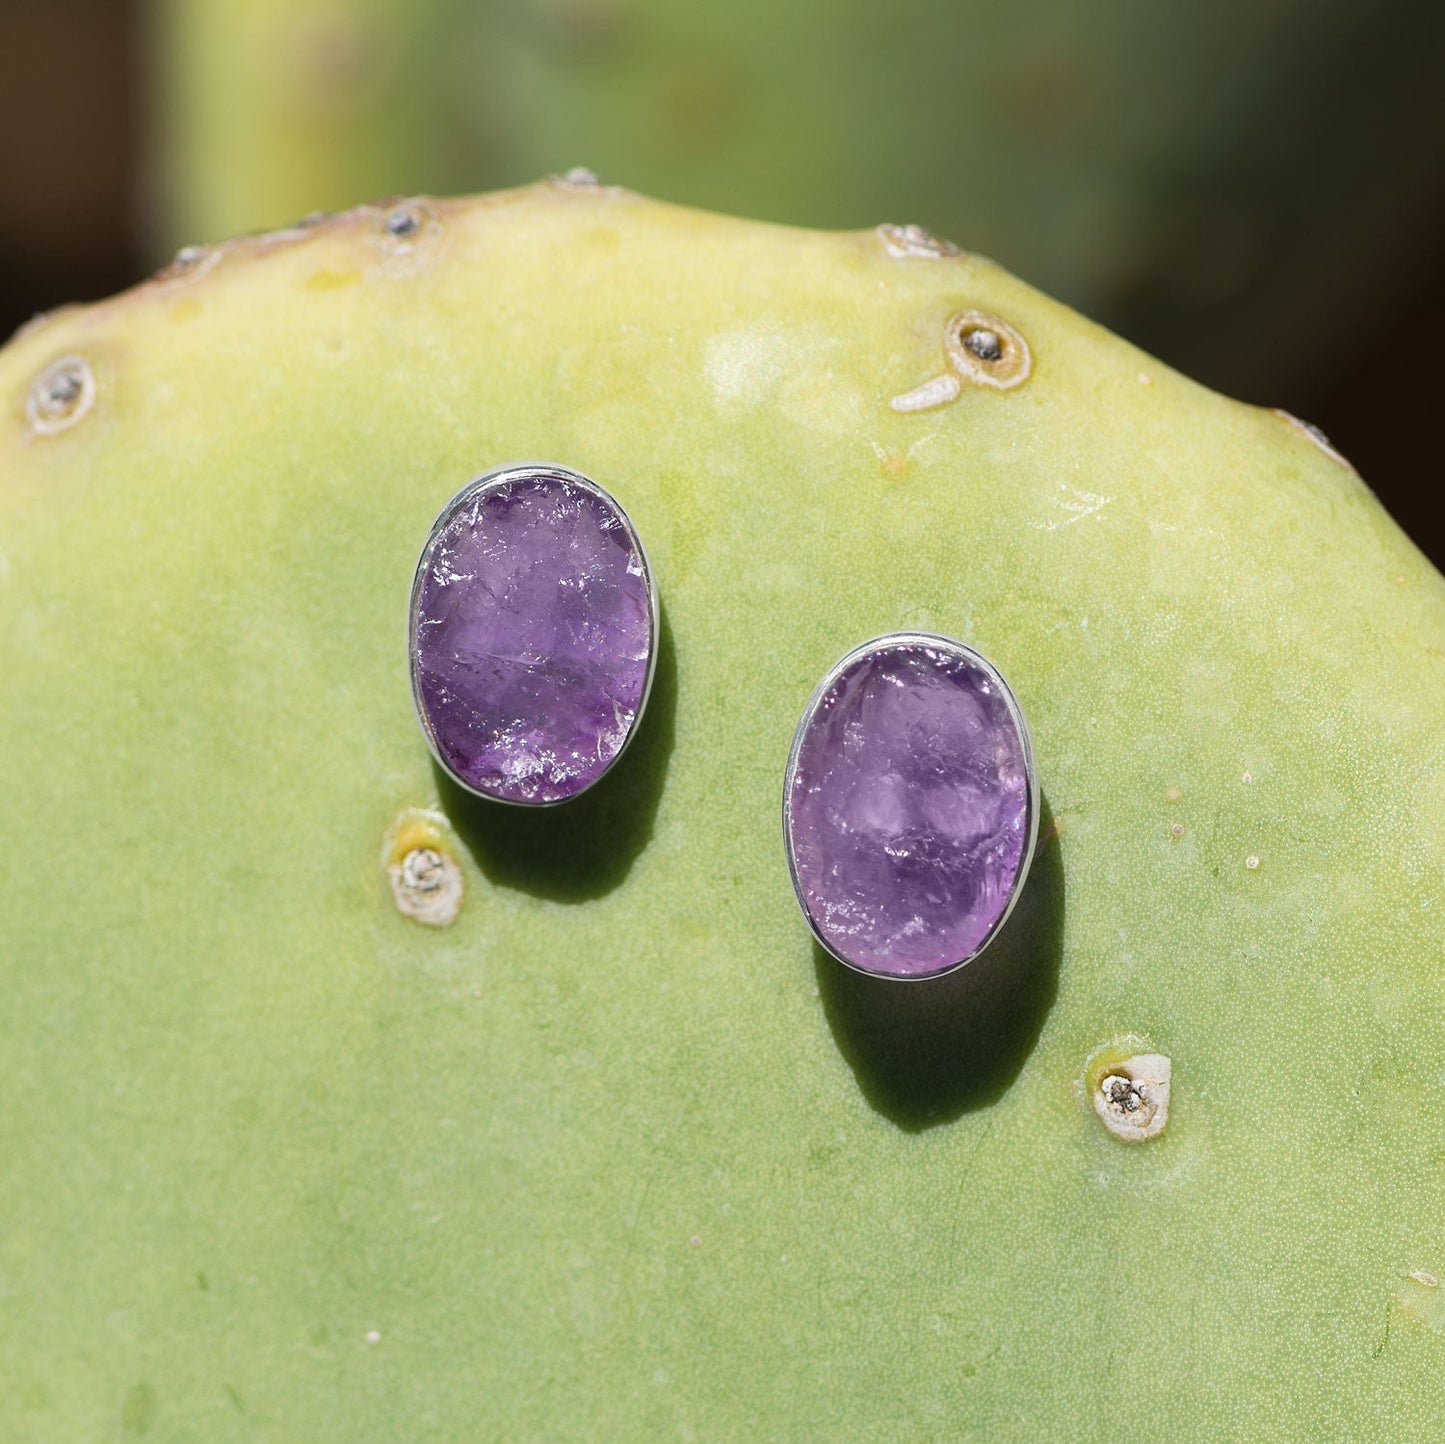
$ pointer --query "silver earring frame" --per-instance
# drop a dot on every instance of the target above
(972, 657)
(486, 481)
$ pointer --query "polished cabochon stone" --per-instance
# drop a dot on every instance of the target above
(910, 806)
(533, 634)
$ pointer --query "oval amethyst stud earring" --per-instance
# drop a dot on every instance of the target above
(533, 634)
(910, 806)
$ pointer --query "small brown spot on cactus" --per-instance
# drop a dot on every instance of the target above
(1176, 830)
(986, 350)
(902, 241)
(1129, 1091)
(421, 865)
(62, 395)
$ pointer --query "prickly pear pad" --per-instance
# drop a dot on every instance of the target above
(615, 1151)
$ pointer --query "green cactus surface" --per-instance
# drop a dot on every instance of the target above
(616, 1152)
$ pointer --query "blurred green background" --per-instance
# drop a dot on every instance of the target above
(1254, 191)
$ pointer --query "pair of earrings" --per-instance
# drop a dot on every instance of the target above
(910, 801)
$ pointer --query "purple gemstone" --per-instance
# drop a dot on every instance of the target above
(910, 806)
(532, 634)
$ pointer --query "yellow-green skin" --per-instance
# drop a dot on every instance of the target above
(617, 1154)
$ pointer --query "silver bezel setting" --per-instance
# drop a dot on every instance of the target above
(490, 480)
(968, 654)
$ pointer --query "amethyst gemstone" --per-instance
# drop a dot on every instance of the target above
(533, 632)
(910, 806)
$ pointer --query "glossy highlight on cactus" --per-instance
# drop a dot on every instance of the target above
(607, 1144)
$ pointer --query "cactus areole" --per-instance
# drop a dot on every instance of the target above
(341, 1103)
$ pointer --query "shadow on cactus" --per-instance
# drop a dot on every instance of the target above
(585, 848)
(925, 1052)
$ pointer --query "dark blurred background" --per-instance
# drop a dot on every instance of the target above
(1254, 192)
